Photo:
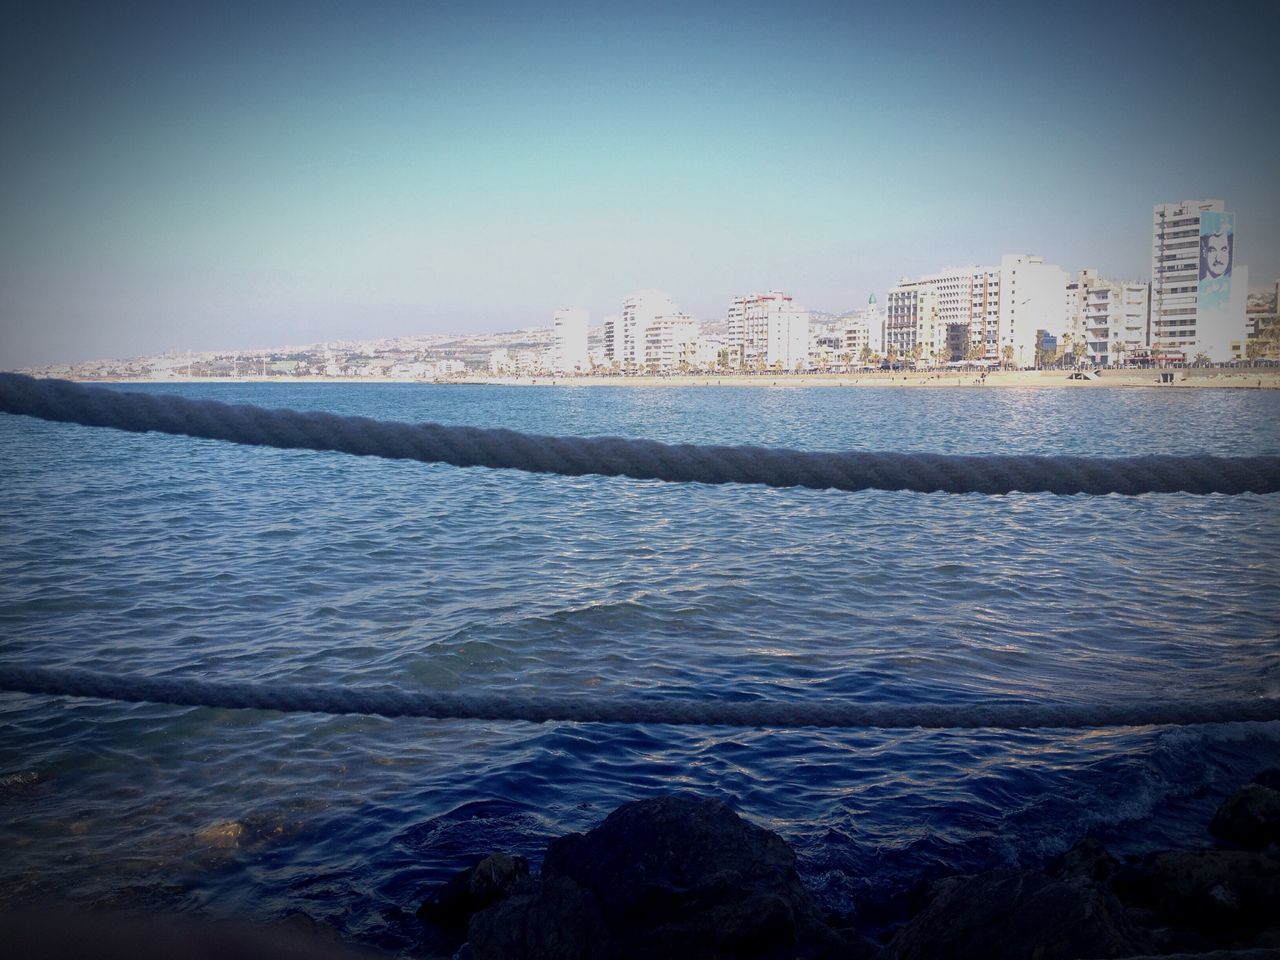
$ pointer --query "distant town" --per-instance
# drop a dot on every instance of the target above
(1022, 313)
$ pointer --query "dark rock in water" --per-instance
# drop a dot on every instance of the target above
(1088, 860)
(676, 876)
(1226, 897)
(1013, 914)
(1269, 778)
(558, 921)
(491, 880)
(1250, 818)
(687, 879)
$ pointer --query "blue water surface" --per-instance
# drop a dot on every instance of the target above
(169, 556)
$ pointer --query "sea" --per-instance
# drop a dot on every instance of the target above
(174, 557)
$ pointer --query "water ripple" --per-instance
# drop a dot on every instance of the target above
(180, 557)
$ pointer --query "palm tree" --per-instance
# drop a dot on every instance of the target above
(1007, 355)
(1119, 348)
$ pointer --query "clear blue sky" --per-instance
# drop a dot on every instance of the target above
(225, 175)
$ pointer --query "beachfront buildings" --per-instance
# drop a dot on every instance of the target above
(1031, 300)
(1198, 291)
(768, 331)
(964, 297)
(569, 341)
(1077, 297)
(1114, 319)
(626, 337)
(864, 331)
(672, 344)
(977, 313)
(911, 327)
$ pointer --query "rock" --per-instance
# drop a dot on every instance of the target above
(558, 921)
(1228, 897)
(1269, 778)
(224, 834)
(676, 876)
(1250, 818)
(491, 880)
(1088, 860)
(1018, 914)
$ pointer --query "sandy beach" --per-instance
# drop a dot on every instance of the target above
(1253, 378)
(1265, 378)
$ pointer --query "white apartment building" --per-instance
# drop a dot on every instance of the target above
(912, 318)
(767, 329)
(1198, 291)
(1115, 322)
(671, 344)
(707, 351)
(506, 362)
(1077, 298)
(569, 340)
(864, 329)
(625, 337)
(965, 295)
(857, 337)
(1032, 298)
(826, 342)
(611, 341)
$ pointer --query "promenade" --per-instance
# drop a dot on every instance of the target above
(1188, 378)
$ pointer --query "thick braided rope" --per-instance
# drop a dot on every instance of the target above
(63, 401)
(392, 702)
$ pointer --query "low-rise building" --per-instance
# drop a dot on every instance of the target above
(1115, 322)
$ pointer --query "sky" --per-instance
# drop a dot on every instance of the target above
(181, 176)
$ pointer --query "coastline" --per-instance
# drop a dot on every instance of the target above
(1183, 378)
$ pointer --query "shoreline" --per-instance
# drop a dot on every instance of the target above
(1184, 378)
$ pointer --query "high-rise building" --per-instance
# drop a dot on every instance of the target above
(671, 344)
(768, 329)
(968, 295)
(626, 338)
(569, 340)
(1032, 298)
(1198, 290)
(911, 320)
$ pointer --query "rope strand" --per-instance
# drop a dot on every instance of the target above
(62, 401)
(392, 702)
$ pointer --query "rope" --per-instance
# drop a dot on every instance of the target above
(59, 400)
(392, 702)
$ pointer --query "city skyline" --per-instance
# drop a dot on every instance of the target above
(237, 178)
